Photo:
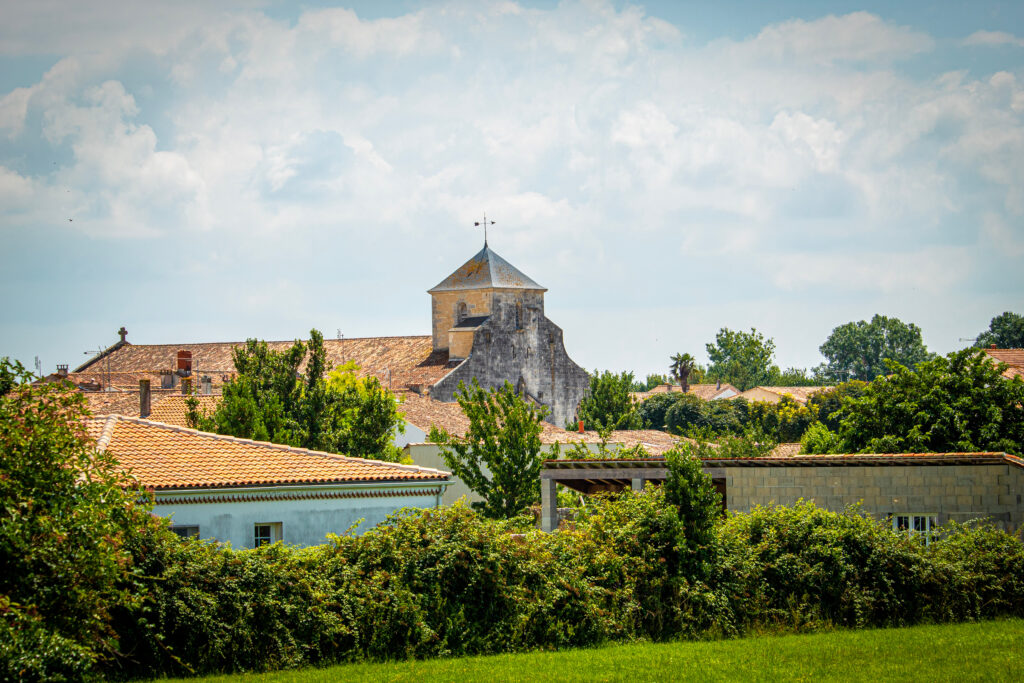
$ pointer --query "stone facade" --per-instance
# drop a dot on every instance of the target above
(492, 316)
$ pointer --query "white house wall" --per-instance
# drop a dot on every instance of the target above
(305, 521)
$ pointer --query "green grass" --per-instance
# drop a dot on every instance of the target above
(988, 651)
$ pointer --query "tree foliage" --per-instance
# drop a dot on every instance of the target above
(1006, 331)
(500, 455)
(66, 514)
(681, 368)
(743, 359)
(955, 403)
(607, 403)
(269, 399)
(858, 350)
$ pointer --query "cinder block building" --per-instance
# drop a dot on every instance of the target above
(915, 490)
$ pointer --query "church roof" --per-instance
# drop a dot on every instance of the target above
(484, 270)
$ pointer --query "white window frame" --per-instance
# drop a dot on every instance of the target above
(915, 524)
(266, 533)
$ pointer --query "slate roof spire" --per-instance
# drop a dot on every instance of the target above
(485, 270)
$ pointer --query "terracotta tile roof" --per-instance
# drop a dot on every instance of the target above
(763, 393)
(399, 362)
(165, 457)
(426, 412)
(122, 402)
(707, 392)
(853, 459)
(172, 410)
(1012, 357)
(785, 450)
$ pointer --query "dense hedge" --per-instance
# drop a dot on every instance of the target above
(449, 582)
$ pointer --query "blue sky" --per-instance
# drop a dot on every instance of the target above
(215, 171)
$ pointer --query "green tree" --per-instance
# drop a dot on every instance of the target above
(795, 377)
(858, 350)
(66, 514)
(743, 359)
(1006, 331)
(825, 404)
(269, 399)
(501, 454)
(682, 366)
(608, 404)
(692, 492)
(654, 381)
(955, 403)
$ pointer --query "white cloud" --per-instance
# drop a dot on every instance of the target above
(854, 37)
(993, 38)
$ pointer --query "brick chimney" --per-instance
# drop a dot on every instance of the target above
(62, 370)
(186, 386)
(144, 398)
(580, 426)
(993, 346)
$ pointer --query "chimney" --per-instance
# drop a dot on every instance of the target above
(580, 426)
(124, 333)
(718, 384)
(144, 398)
(206, 385)
(62, 370)
(186, 386)
(993, 346)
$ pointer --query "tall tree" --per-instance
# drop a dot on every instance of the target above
(608, 404)
(744, 359)
(955, 403)
(270, 400)
(682, 366)
(1006, 331)
(501, 454)
(858, 350)
(67, 514)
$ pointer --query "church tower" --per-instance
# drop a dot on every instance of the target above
(490, 316)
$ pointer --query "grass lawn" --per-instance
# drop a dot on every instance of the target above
(989, 651)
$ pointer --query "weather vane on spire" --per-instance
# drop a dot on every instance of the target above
(484, 223)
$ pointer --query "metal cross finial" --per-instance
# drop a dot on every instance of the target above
(484, 223)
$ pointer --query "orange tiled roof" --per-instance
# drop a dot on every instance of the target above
(785, 450)
(812, 460)
(166, 457)
(172, 410)
(1012, 357)
(707, 392)
(398, 362)
(426, 412)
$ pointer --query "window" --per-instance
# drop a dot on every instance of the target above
(265, 533)
(916, 524)
(462, 313)
(185, 531)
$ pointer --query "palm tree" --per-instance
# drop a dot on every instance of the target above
(682, 366)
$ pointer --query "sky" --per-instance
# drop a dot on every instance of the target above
(202, 171)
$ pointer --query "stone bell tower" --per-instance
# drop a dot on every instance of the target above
(490, 316)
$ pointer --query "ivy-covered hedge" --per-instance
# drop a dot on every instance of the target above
(450, 582)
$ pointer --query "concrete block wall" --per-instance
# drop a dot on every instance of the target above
(953, 492)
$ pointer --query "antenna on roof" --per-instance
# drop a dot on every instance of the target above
(484, 223)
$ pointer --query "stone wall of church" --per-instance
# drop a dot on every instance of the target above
(445, 306)
(518, 344)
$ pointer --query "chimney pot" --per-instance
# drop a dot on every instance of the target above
(186, 386)
(993, 346)
(144, 398)
(62, 370)
(580, 426)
